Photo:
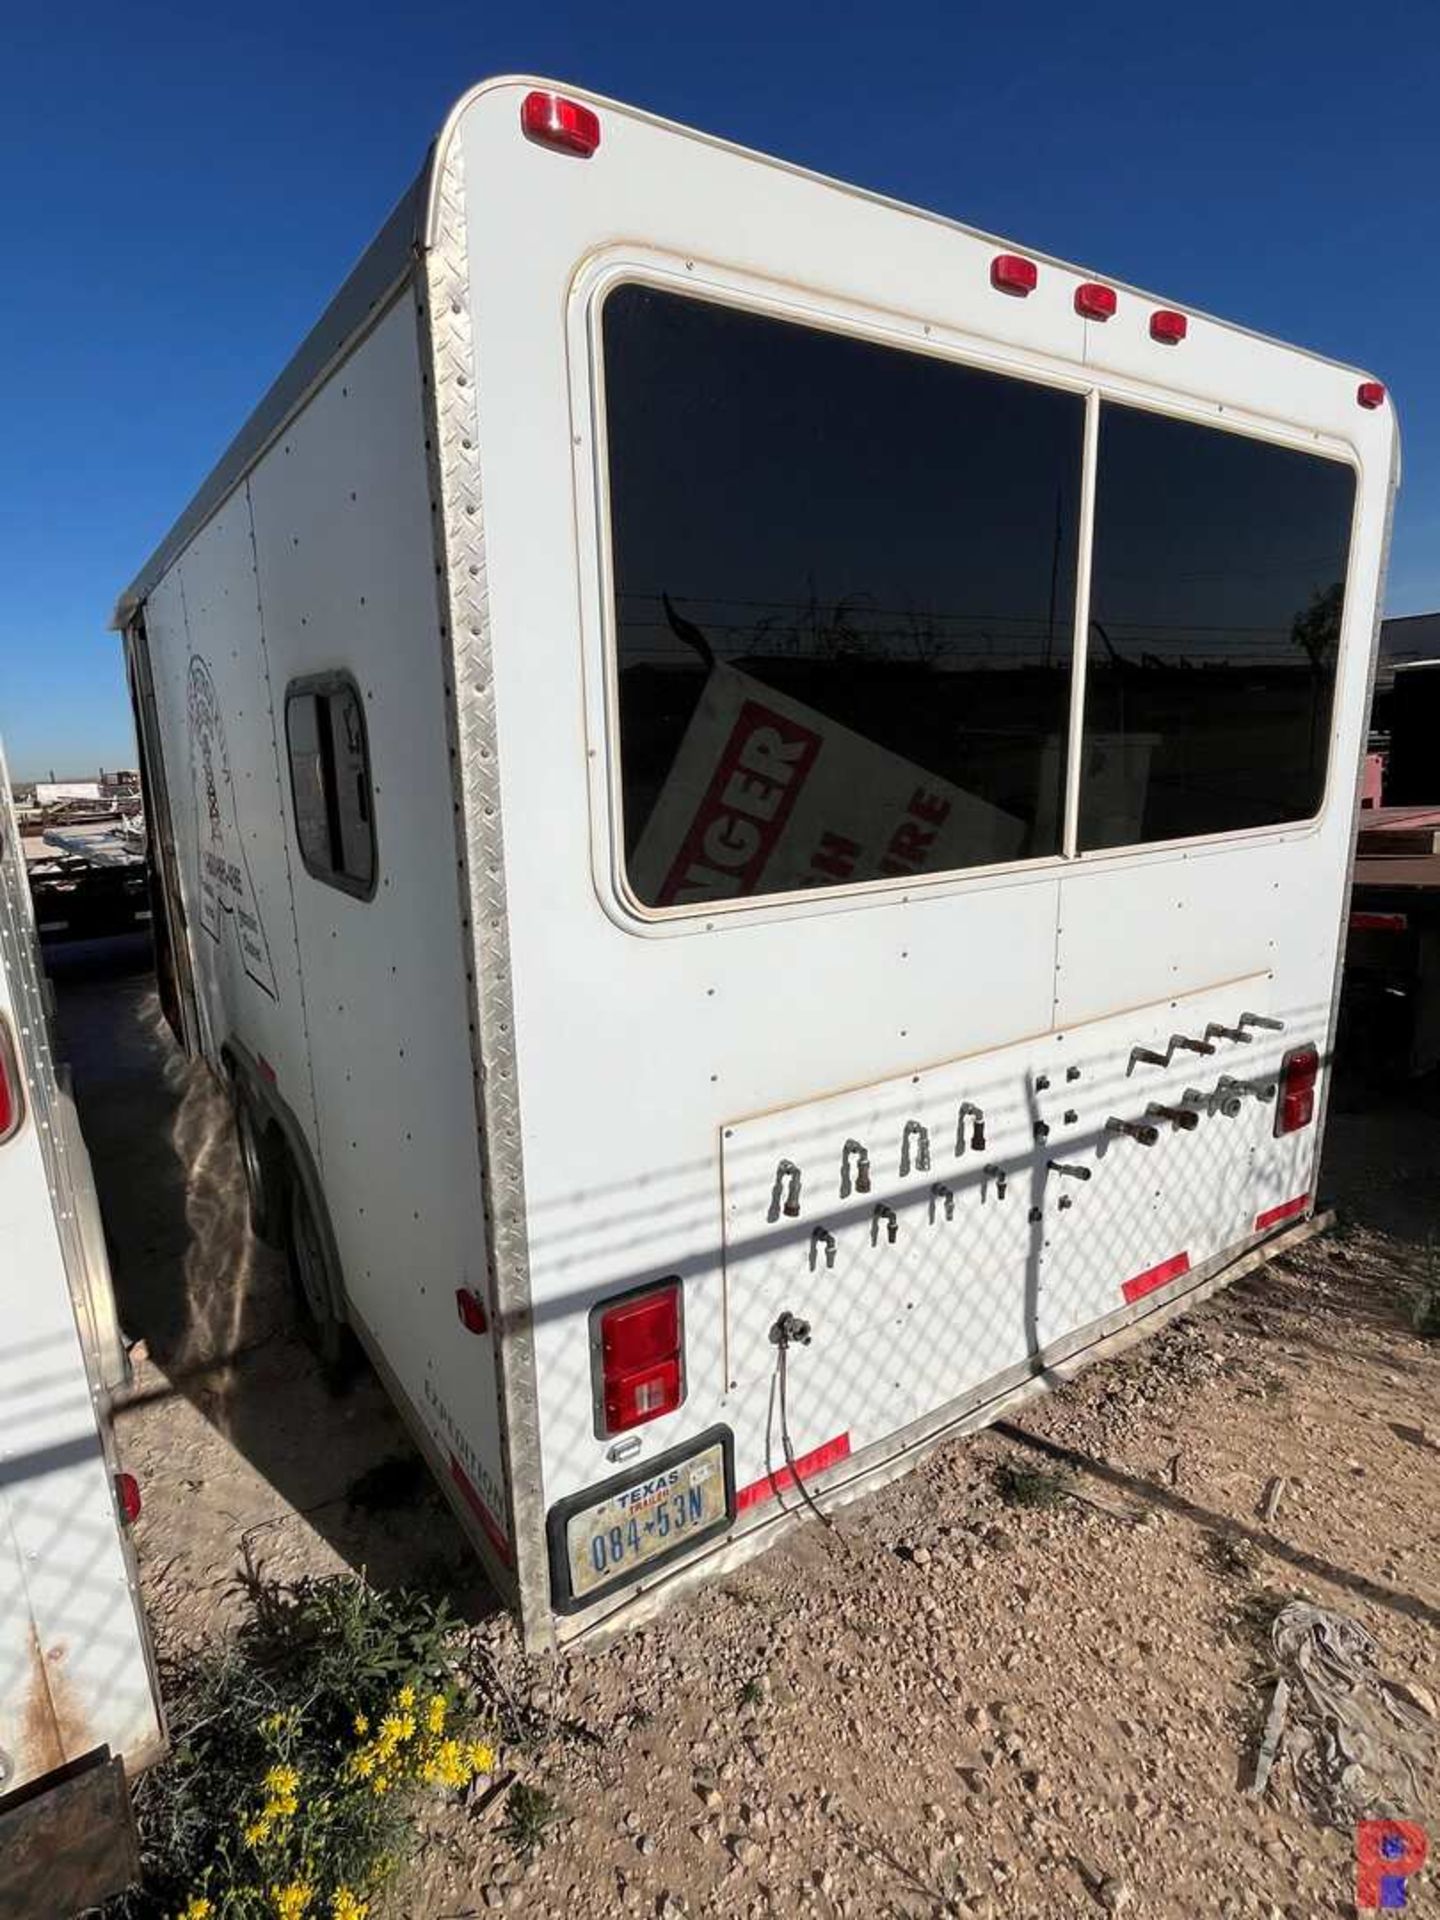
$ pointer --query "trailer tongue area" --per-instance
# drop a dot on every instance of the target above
(956, 1228)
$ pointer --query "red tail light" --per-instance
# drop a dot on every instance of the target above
(1299, 1071)
(639, 1347)
(12, 1100)
(1168, 327)
(1370, 394)
(127, 1492)
(553, 121)
(1012, 273)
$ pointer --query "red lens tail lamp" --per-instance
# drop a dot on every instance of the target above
(1299, 1071)
(638, 1348)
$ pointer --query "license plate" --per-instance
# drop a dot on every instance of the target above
(616, 1538)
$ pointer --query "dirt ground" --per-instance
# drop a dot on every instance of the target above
(948, 1704)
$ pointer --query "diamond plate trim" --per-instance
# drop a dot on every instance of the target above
(448, 358)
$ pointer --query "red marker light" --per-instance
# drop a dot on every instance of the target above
(640, 1355)
(1011, 273)
(550, 120)
(471, 1309)
(1370, 394)
(12, 1103)
(1168, 327)
(127, 1492)
(1094, 302)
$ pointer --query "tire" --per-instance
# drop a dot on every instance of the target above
(264, 1166)
(312, 1281)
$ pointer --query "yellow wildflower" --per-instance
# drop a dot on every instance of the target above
(272, 1724)
(344, 1905)
(405, 1698)
(199, 1908)
(292, 1900)
(362, 1764)
(257, 1832)
(281, 1783)
(435, 1714)
(380, 1784)
(480, 1757)
(362, 1724)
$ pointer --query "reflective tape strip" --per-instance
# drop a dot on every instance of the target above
(1154, 1277)
(1286, 1210)
(769, 1484)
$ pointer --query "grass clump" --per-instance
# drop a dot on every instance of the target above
(1022, 1486)
(530, 1812)
(300, 1748)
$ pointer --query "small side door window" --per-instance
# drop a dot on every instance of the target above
(330, 782)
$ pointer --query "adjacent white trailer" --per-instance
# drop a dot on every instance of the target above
(754, 792)
(79, 1705)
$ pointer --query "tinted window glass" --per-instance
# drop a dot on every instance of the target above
(330, 783)
(1215, 620)
(844, 581)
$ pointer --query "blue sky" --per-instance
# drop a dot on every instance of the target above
(187, 186)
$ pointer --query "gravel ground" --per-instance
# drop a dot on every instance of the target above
(1027, 1680)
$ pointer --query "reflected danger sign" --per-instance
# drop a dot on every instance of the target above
(768, 796)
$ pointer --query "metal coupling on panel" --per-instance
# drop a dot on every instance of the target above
(821, 1240)
(969, 1111)
(1261, 1090)
(1221, 1102)
(999, 1176)
(920, 1135)
(861, 1178)
(1138, 1130)
(1262, 1020)
(1216, 1032)
(1068, 1170)
(1183, 1119)
(1182, 1043)
(941, 1197)
(785, 1195)
(892, 1225)
(1146, 1056)
(790, 1331)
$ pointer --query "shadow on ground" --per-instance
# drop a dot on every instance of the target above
(212, 1306)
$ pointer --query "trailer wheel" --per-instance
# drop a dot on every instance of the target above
(310, 1279)
(264, 1166)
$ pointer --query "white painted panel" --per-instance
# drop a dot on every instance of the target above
(347, 578)
(638, 1045)
(74, 1660)
(939, 1282)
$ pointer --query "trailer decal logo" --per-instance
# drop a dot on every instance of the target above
(226, 888)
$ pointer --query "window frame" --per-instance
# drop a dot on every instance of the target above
(314, 685)
(630, 264)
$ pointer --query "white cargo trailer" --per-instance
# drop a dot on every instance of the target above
(753, 789)
(79, 1706)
